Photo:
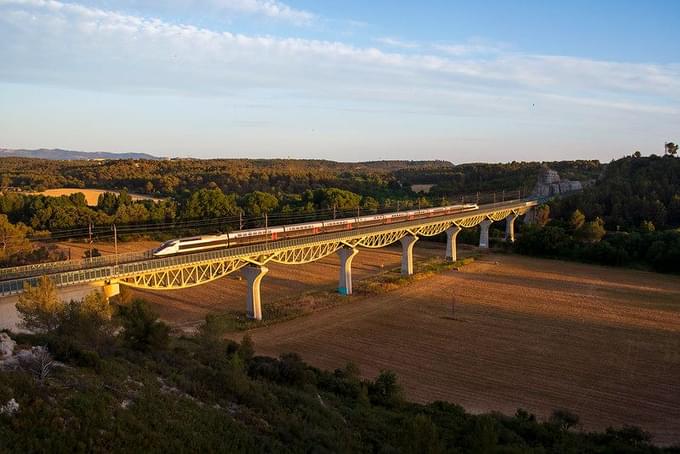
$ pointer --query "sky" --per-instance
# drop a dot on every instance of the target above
(483, 81)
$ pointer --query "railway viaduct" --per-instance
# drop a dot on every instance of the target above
(143, 270)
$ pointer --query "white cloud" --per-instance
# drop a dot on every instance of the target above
(269, 8)
(85, 47)
(395, 42)
(465, 49)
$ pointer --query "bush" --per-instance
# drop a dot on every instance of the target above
(386, 390)
(545, 242)
(564, 419)
(39, 307)
(420, 435)
(658, 250)
(141, 328)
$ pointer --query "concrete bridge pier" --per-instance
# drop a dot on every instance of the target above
(254, 274)
(407, 244)
(111, 289)
(451, 235)
(346, 255)
(484, 233)
(510, 227)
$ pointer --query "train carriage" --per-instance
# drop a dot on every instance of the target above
(243, 237)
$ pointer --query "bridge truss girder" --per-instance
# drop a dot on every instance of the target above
(188, 275)
(182, 277)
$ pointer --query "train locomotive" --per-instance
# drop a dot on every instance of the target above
(243, 237)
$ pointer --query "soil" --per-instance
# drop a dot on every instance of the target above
(503, 333)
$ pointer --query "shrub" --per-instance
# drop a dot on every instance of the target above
(420, 435)
(564, 419)
(141, 328)
(386, 390)
(39, 307)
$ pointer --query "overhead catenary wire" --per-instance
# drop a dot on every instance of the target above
(234, 222)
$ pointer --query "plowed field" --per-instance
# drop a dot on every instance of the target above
(521, 332)
(530, 333)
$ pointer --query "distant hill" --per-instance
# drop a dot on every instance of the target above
(70, 155)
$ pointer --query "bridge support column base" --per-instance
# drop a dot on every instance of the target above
(346, 255)
(484, 233)
(254, 275)
(451, 235)
(111, 289)
(510, 227)
(407, 244)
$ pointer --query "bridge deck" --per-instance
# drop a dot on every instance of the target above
(107, 269)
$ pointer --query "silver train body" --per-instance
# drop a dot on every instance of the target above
(242, 237)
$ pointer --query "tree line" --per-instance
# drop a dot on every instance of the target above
(630, 217)
(630, 191)
(206, 210)
(380, 179)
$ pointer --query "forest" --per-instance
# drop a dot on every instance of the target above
(630, 217)
(107, 377)
(379, 179)
(222, 195)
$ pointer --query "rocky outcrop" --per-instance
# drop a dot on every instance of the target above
(6, 346)
(550, 184)
(9, 408)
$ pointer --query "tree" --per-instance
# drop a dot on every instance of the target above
(386, 390)
(258, 203)
(336, 198)
(210, 332)
(420, 435)
(96, 304)
(655, 211)
(87, 323)
(124, 198)
(542, 215)
(577, 220)
(671, 148)
(422, 202)
(369, 204)
(39, 363)
(39, 306)
(674, 211)
(637, 154)
(210, 203)
(107, 202)
(647, 226)
(564, 419)
(246, 350)
(592, 231)
(78, 199)
(12, 238)
(141, 328)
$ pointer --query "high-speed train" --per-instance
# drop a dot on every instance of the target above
(242, 237)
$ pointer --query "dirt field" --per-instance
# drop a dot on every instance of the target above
(91, 195)
(78, 248)
(530, 333)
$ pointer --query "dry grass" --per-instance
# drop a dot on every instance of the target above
(91, 195)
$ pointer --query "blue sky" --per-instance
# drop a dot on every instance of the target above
(343, 80)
